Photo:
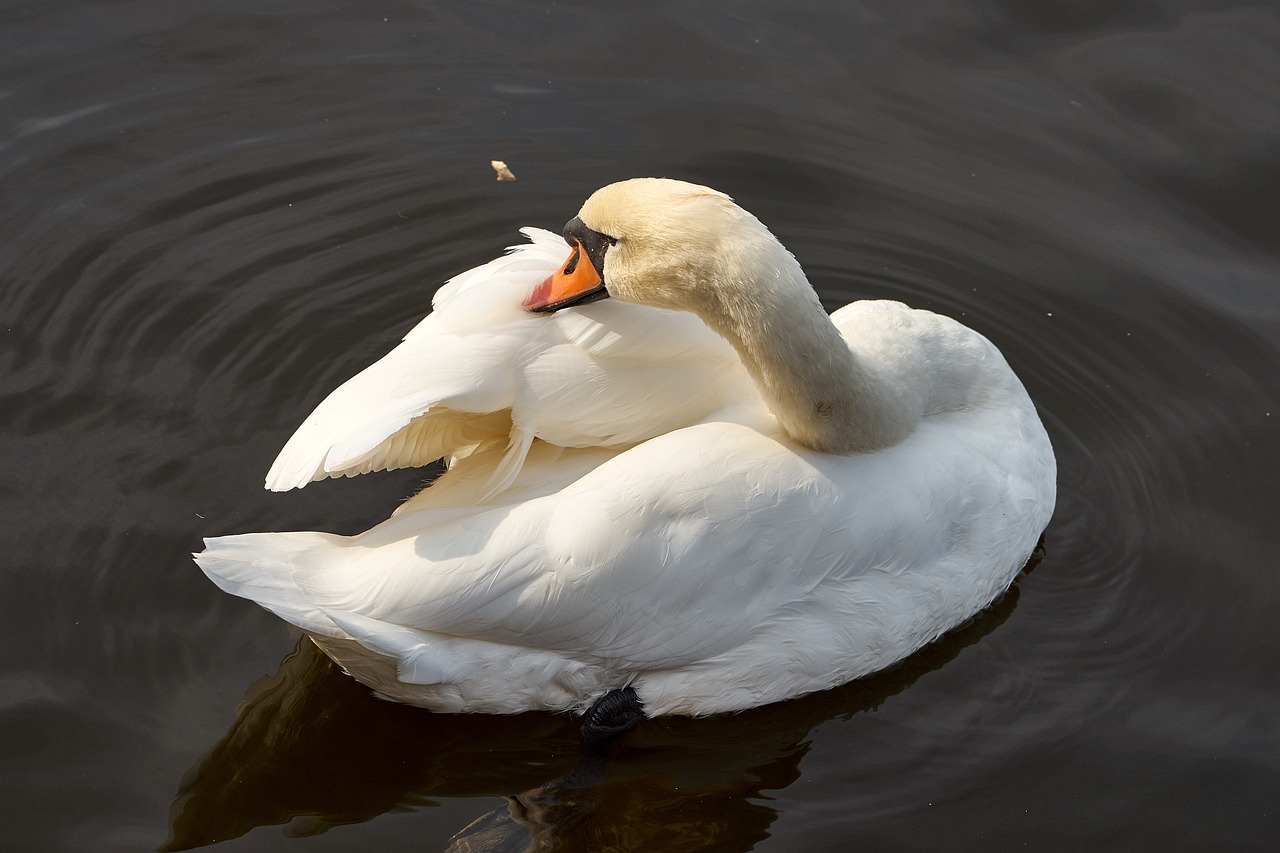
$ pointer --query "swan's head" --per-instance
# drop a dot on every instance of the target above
(653, 241)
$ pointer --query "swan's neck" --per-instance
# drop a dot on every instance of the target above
(824, 396)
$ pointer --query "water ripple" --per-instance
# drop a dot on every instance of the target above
(212, 219)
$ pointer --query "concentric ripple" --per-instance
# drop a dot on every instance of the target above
(213, 215)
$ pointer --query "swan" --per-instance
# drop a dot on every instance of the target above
(703, 488)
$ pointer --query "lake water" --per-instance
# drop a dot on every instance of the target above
(213, 213)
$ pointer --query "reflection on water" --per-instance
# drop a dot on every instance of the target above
(212, 214)
(311, 749)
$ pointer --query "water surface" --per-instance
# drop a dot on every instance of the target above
(213, 213)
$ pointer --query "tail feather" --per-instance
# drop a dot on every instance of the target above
(263, 567)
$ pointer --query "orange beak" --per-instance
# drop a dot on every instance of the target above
(577, 282)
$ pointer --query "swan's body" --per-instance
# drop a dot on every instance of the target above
(720, 520)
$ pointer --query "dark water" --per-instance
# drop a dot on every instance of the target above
(212, 213)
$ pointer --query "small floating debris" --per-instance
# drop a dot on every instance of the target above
(504, 174)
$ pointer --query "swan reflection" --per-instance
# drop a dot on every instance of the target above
(312, 749)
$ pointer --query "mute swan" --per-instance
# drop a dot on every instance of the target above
(704, 487)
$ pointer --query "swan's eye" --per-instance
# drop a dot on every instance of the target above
(613, 241)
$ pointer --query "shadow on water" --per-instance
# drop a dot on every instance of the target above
(312, 749)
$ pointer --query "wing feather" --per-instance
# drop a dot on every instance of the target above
(481, 371)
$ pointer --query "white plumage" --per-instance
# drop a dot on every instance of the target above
(480, 368)
(623, 504)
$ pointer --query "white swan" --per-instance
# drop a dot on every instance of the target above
(726, 503)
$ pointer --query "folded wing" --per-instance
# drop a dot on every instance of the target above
(481, 372)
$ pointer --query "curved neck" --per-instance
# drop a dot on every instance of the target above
(824, 396)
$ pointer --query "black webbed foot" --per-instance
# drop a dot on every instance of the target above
(613, 714)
